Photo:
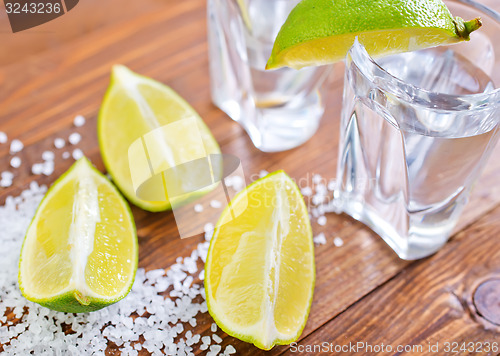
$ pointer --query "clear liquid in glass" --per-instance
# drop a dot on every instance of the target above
(405, 170)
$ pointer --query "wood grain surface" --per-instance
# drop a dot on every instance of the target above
(364, 292)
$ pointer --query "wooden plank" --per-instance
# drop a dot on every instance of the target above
(430, 302)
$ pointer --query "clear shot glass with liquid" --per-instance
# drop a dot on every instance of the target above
(416, 131)
(280, 109)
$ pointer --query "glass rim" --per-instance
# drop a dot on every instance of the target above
(416, 95)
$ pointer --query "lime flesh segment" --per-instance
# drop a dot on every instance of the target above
(259, 274)
(134, 106)
(80, 252)
(321, 31)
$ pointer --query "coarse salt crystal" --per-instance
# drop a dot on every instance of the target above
(316, 179)
(215, 204)
(321, 188)
(229, 350)
(15, 162)
(48, 168)
(79, 121)
(317, 199)
(66, 155)
(217, 338)
(322, 220)
(198, 208)
(263, 173)
(37, 168)
(306, 191)
(48, 156)
(331, 185)
(77, 154)
(209, 227)
(337, 241)
(213, 327)
(16, 146)
(7, 175)
(59, 143)
(74, 138)
(5, 183)
(3, 137)
(320, 239)
(215, 349)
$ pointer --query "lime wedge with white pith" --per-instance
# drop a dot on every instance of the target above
(259, 274)
(321, 31)
(134, 106)
(80, 252)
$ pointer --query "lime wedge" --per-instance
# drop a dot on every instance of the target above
(134, 106)
(259, 274)
(80, 251)
(320, 32)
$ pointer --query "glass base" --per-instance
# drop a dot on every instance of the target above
(418, 244)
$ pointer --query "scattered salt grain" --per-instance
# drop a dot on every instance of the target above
(66, 155)
(15, 162)
(214, 350)
(320, 239)
(59, 143)
(198, 208)
(217, 338)
(5, 183)
(322, 220)
(48, 168)
(321, 188)
(316, 179)
(213, 327)
(203, 347)
(74, 138)
(337, 241)
(7, 175)
(263, 173)
(37, 168)
(16, 146)
(48, 156)
(306, 191)
(77, 154)
(331, 185)
(215, 204)
(209, 227)
(235, 182)
(318, 199)
(229, 350)
(3, 137)
(79, 121)
(206, 340)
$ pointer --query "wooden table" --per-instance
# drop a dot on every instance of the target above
(364, 292)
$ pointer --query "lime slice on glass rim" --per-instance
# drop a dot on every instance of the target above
(319, 32)
(259, 274)
(80, 251)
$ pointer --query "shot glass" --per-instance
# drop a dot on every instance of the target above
(416, 131)
(279, 109)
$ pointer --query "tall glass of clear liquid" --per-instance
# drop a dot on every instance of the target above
(279, 109)
(416, 131)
